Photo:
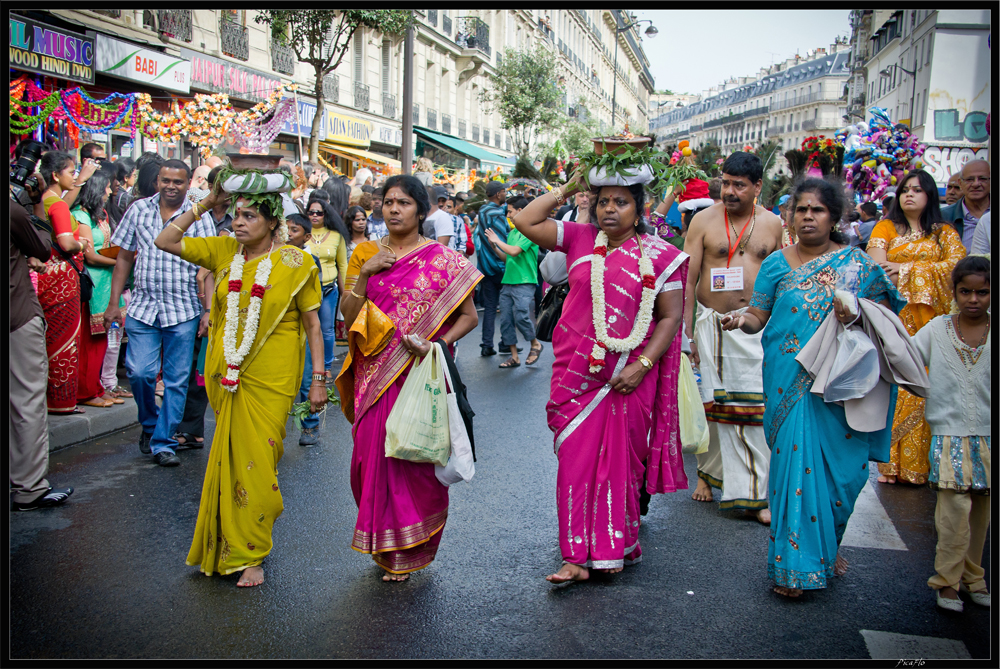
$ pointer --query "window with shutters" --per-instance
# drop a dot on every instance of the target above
(386, 66)
(359, 63)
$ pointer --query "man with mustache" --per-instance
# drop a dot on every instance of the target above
(727, 244)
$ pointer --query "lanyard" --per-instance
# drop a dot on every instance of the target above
(732, 249)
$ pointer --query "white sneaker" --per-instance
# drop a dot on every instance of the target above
(954, 605)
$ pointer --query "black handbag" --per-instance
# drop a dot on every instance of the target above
(551, 311)
(86, 281)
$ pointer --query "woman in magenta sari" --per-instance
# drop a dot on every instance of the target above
(613, 405)
(401, 292)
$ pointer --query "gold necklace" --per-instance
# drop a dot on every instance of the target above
(420, 241)
(958, 327)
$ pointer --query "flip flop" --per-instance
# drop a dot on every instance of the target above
(509, 364)
(537, 352)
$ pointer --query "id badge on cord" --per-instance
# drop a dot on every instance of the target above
(726, 278)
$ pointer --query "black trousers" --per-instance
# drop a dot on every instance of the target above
(193, 422)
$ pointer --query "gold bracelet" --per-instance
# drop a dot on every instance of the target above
(176, 227)
(645, 362)
(557, 193)
(360, 297)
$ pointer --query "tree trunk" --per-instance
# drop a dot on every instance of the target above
(317, 118)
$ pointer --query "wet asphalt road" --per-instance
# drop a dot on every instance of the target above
(104, 576)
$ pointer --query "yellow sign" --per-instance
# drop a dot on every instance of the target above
(349, 130)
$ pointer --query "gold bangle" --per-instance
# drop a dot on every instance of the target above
(176, 227)
(645, 362)
(557, 193)
(360, 297)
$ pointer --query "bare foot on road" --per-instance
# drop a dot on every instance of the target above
(613, 570)
(840, 566)
(763, 515)
(397, 578)
(703, 493)
(886, 479)
(250, 577)
(569, 572)
(788, 592)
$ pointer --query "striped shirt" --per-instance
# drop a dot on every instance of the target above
(164, 286)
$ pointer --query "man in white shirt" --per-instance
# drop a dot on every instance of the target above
(582, 199)
(438, 224)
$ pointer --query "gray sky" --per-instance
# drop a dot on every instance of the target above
(696, 49)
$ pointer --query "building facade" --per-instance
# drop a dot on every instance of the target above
(455, 53)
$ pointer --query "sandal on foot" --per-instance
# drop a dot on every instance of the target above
(510, 363)
(98, 402)
(121, 392)
(190, 441)
(534, 354)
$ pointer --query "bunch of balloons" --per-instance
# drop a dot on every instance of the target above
(878, 154)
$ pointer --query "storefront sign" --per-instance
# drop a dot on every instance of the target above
(39, 47)
(307, 112)
(944, 162)
(130, 61)
(349, 130)
(387, 135)
(219, 76)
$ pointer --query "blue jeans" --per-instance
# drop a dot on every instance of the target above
(515, 311)
(328, 323)
(146, 345)
(489, 292)
(312, 420)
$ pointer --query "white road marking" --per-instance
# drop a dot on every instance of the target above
(869, 526)
(892, 646)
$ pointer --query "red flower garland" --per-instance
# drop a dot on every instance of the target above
(648, 281)
(257, 291)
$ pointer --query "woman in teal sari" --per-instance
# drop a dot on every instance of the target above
(818, 463)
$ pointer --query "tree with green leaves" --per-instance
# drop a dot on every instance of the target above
(527, 95)
(321, 37)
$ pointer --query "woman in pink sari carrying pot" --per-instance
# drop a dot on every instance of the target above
(401, 292)
(613, 403)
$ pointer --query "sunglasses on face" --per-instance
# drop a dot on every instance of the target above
(315, 213)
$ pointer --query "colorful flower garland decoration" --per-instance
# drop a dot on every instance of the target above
(235, 354)
(605, 343)
(817, 145)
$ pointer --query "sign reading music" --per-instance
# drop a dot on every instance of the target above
(39, 47)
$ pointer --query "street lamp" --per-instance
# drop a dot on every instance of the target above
(887, 72)
(651, 31)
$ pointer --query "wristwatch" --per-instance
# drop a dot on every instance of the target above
(645, 362)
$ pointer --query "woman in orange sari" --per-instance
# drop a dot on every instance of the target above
(918, 251)
(402, 292)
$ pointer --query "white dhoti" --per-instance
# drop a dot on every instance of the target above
(738, 457)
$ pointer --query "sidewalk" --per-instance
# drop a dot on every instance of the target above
(76, 428)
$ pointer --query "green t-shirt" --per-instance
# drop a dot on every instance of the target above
(522, 268)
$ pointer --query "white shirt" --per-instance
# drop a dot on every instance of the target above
(439, 224)
(981, 237)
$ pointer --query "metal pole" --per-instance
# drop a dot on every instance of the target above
(407, 148)
(614, 74)
(298, 126)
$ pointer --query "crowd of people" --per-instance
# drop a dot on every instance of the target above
(384, 269)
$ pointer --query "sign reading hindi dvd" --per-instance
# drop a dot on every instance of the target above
(39, 47)
(130, 61)
(349, 130)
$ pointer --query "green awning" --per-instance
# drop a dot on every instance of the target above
(465, 148)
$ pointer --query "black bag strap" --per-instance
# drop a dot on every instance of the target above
(460, 391)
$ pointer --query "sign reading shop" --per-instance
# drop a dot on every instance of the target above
(215, 75)
(39, 47)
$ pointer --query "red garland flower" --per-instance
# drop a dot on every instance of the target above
(257, 290)
(601, 251)
(226, 382)
(233, 366)
(594, 362)
(601, 345)
(235, 285)
(648, 281)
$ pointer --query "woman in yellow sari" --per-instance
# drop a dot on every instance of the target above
(265, 306)
(918, 251)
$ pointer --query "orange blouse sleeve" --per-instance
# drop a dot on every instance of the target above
(883, 233)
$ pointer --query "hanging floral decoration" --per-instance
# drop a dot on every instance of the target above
(257, 127)
(816, 146)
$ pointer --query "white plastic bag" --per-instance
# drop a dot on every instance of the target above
(846, 288)
(693, 424)
(855, 369)
(461, 466)
(417, 427)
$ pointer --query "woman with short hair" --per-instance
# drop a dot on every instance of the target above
(403, 291)
(918, 251)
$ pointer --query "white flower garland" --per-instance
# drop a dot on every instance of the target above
(234, 355)
(643, 318)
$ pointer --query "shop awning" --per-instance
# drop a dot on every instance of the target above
(351, 153)
(465, 148)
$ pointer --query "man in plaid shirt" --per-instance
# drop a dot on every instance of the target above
(165, 312)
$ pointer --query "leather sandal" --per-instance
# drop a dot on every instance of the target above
(509, 364)
(534, 354)
(98, 402)
(118, 391)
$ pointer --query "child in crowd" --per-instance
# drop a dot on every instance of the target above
(956, 349)
(299, 230)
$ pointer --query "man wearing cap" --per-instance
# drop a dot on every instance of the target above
(964, 215)
(492, 216)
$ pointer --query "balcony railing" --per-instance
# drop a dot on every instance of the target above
(809, 125)
(475, 132)
(174, 23)
(388, 105)
(547, 31)
(446, 25)
(461, 128)
(818, 96)
(362, 96)
(473, 33)
(432, 17)
(446, 124)
(755, 112)
(235, 39)
(331, 88)
(282, 58)
(432, 119)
